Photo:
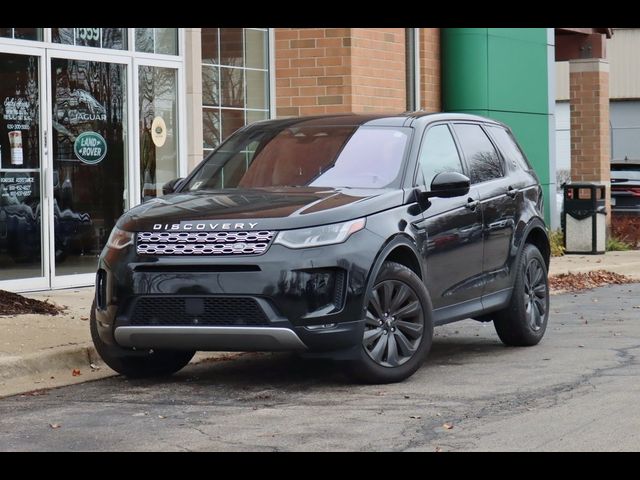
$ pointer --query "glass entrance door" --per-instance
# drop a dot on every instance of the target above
(88, 111)
(23, 258)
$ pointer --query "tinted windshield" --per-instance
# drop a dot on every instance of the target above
(316, 156)
(627, 172)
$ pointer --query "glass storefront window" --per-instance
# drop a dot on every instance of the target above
(235, 80)
(157, 40)
(20, 210)
(158, 128)
(22, 33)
(113, 38)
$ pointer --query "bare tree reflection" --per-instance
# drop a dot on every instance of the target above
(485, 166)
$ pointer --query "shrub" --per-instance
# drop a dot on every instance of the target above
(626, 228)
(616, 245)
(556, 239)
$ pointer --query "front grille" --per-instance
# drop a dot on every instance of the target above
(203, 243)
(197, 311)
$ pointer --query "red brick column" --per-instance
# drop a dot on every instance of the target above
(430, 69)
(339, 70)
(590, 131)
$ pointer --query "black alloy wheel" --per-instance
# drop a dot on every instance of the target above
(394, 323)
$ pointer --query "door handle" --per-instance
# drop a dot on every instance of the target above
(472, 204)
(512, 192)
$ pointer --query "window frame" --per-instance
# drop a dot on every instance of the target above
(505, 169)
(268, 70)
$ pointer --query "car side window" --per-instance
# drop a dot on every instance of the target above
(508, 147)
(482, 158)
(438, 153)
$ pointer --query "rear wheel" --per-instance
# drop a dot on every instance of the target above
(138, 364)
(398, 327)
(524, 321)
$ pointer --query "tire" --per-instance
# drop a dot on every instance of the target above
(410, 334)
(138, 363)
(524, 321)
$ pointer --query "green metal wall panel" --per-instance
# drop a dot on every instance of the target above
(517, 75)
(465, 78)
(502, 73)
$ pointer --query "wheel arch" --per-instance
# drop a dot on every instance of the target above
(535, 233)
(401, 249)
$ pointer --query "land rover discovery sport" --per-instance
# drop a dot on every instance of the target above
(345, 236)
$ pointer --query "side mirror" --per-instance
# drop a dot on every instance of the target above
(171, 186)
(449, 184)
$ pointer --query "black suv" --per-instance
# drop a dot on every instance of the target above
(344, 236)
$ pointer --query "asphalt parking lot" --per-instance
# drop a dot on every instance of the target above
(577, 390)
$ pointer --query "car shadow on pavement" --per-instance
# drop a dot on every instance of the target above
(288, 372)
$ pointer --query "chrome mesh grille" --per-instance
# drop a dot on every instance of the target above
(203, 243)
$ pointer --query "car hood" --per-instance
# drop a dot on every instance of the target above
(257, 209)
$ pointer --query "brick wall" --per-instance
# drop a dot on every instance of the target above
(339, 70)
(430, 69)
(378, 69)
(590, 134)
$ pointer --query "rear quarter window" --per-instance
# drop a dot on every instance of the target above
(509, 148)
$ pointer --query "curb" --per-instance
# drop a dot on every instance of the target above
(40, 363)
(34, 372)
(49, 369)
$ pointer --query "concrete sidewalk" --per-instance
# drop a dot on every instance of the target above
(624, 263)
(40, 351)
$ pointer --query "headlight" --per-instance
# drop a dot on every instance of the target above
(119, 239)
(318, 236)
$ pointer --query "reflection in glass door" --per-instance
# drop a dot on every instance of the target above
(88, 109)
(158, 101)
(21, 253)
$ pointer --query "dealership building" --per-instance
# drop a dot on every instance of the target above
(93, 121)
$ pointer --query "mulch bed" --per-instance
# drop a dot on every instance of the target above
(14, 304)
(576, 282)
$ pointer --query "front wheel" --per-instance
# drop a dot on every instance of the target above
(524, 321)
(398, 327)
(138, 364)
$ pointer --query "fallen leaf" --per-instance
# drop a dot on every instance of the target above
(94, 366)
(75, 372)
(636, 306)
(84, 319)
(448, 426)
(417, 417)
(140, 414)
(407, 396)
(161, 416)
(575, 282)
(438, 450)
(581, 346)
(54, 425)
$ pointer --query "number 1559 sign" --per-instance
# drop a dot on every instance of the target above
(88, 36)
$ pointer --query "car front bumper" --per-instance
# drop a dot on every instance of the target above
(309, 300)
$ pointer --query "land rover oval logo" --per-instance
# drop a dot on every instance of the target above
(90, 148)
